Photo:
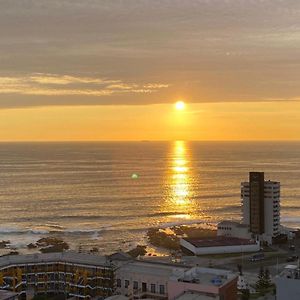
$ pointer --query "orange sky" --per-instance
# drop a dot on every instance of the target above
(112, 70)
(218, 121)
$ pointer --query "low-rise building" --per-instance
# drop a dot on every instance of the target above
(86, 276)
(145, 279)
(288, 283)
(8, 295)
(207, 282)
(192, 295)
(218, 245)
(76, 275)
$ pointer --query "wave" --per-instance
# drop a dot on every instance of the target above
(290, 220)
(59, 230)
(22, 231)
(190, 222)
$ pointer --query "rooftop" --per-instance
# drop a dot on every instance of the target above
(290, 272)
(206, 276)
(232, 223)
(69, 257)
(219, 241)
(155, 269)
(191, 295)
(7, 294)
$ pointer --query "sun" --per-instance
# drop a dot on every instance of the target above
(180, 105)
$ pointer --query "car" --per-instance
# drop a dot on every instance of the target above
(292, 258)
(292, 247)
(257, 257)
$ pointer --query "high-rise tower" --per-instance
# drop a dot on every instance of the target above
(261, 206)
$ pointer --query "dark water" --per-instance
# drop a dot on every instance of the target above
(85, 192)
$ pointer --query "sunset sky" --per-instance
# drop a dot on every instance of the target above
(112, 70)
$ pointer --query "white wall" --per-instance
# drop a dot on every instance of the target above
(287, 288)
(233, 229)
(219, 249)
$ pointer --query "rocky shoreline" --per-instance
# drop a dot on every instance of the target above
(165, 239)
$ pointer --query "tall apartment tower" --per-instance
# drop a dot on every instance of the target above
(261, 206)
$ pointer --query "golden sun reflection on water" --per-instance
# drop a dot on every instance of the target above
(180, 176)
(179, 198)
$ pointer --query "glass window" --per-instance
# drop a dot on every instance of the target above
(144, 287)
(119, 283)
(161, 289)
(135, 285)
(153, 288)
(126, 284)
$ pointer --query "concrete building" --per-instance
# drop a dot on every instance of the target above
(7, 295)
(207, 282)
(145, 279)
(219, 245)
(261, 206)
(288, 283)
(193, 295)
(75, 275)
(86, 276)
(233, 229)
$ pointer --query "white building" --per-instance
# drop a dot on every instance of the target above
(261, 208)
(219, 245)
(288, 283)
(233, 229)
(145, 279)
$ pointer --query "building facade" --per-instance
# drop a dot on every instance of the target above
(261, 206)
(214, 283)
(75, 275)
(218, 245)
(144, 279)
(233, 229)
(86, 276)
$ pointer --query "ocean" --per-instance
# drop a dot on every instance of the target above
(107, 194)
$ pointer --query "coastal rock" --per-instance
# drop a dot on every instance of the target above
(139, 250)
(52, 244)
(160, 238)
(31, 246)
(4, 244)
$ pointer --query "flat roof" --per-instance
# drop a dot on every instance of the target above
(219, 241)
(234, 223)
(207, 276)
(191, 295)
(154, 269)
(7, 294)
(64, 257)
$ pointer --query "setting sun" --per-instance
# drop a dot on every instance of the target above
(180, 105)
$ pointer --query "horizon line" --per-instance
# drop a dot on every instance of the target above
(145, 141)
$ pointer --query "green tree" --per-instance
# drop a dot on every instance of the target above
(245, 294)
(268, 282)
(261, 283)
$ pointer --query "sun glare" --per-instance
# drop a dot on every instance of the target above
(180, 105)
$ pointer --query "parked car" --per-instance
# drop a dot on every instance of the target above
(292, 247)
(292, 258)
(257, 257)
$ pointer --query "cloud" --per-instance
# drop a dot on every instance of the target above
(148, 51)
(65, 85)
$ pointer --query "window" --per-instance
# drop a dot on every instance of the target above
(153, 288)
(135, 285)
(161, 289)
(126, 284)
(119, 283)
(144, 287)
